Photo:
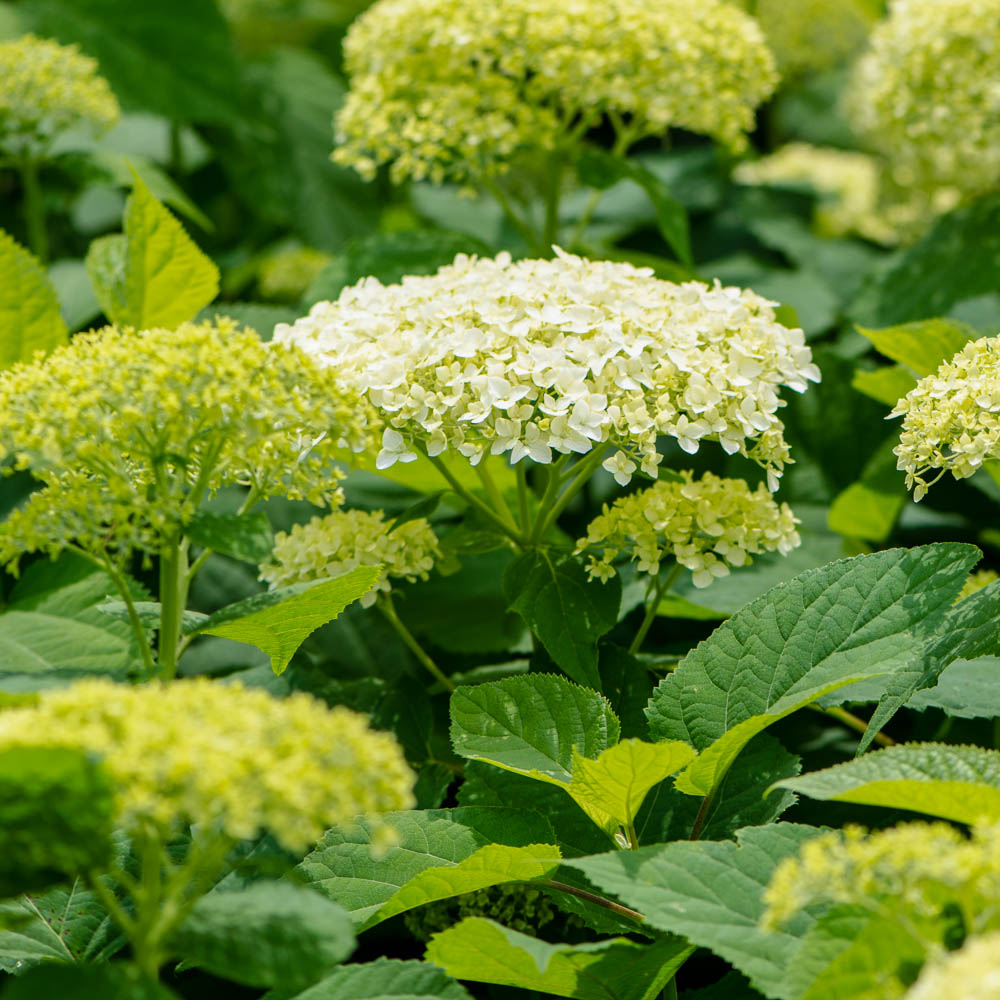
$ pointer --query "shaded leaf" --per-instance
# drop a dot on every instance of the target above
(383, 979)
(247, 537)
(86, 982)
(921, 346)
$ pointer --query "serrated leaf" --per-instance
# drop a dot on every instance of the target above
(247, 537)
(710, 893)
(887, 385)
(566, 610)
(167, 278)
(921, 346)
(86, 982)
(960, 783)
(384, 979)
(267, 934)
(343, 868)
(484, 951)
(855, 618)
(532, 725)
(282, 624)
(30, 319)
(491, 864)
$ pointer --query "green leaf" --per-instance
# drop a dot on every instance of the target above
(887, 385)
(106, 262)
(483, 951)
(262, 317)
(869, 508)
(343, 868)
(267, 934)
(532, 725)
(77, 301)
(30, 320)
(492, 864)
(287, 617)
(924, 345)
(710, 893)
(148, 613)
(247, 537)
(86, 982)
(384, 979)
(853, 619)
(960, 783)
(167, 278)
(968, 689)
(566, 610)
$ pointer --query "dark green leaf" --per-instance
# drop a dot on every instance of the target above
(869, 508)
(86, 982)
(247, 537)
(383, 979)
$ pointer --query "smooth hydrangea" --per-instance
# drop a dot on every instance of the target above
(951, 419)
(46, 88)
(457, 89)
(971, 973)
(130, 430)
(233, 761)
(707, 525)
(341, 541)
(545, 357)
(927, 94)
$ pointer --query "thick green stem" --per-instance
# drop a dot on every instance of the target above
(579, 475)
(670, 990)
(173, 599)
(633, 839)
(655, 594)
(34, 210)
(495, 496)
(522, 496)
(702, 817)
(388, 609)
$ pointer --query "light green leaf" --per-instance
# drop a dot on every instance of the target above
(384, 979)
(283, 624)
(532, 725)
(869, 508)
(853, 619)
(887, 385)
(344, 869)
(30, 320)
(267, 934)
(105, 262)
(924, 345)
(167, 278)
(710, 893)
(492, 864)
(960, 783)
(484, 951)
(611, 788)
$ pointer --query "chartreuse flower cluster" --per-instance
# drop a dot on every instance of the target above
(927, 94)
(342, 541)
(46, 88)
(457, 90)
(706, 525)
(951, 419)
(542, 358)
(130, 431)
(977, 581)
(971, 973)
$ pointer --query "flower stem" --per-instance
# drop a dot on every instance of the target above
(590, 897)
(553, 194)
(850, 720)
(578, 476)
(495, 496)
(527, 233)
(34, 209)
(522, 496)
(656, 592)
(173, 599)
(389, 610)
(133, 616)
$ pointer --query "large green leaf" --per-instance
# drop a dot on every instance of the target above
(279, 622)
(267, 934)
(484, 951)
(924, 345)
(384, 979)
(564, 608)
(710, 893)
(968, 689)
(533, 725)
(887, 385)
(30, 320)
(343, 867)
(856, 618)
(120, 981)
(960, 783)
(869, 508)
(247, 537)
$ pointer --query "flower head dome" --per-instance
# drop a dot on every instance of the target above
(706, 525)
(971, 973)
(951, 419)
(456, 89)
(341, 541)
(46, 88)
(235, 761)
(927, 94)
(544, 357)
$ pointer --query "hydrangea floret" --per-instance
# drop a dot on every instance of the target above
(971, 973)
(47, 88)
(706, 525)
(342, 541)
(456, 90)
(927, 94)
(546, 358)
(951, 419)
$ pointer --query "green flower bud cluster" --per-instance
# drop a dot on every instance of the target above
(951, 419)
(235, 762)
(706, 525)
(457, 90)
(517, 906)
(341, 541)
(544, 357)
(46, 88)
(971, 973)
(129, 431)
(927, 94)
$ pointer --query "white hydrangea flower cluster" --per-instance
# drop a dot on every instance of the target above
(342, 541)
(951, 419)
(927, 94)
(971, 973)
(456, 89)
(544, 357)
(706, 525)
